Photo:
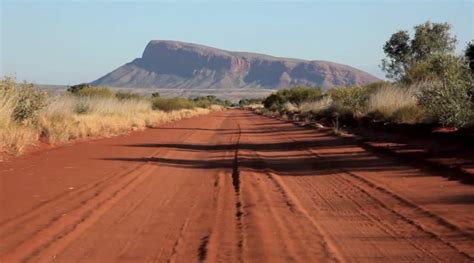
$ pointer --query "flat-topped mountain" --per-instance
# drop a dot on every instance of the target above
(173, 64)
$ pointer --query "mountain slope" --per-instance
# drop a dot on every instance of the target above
(173, 64)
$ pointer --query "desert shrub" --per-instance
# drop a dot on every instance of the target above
(207, 101)
(274, 102)
(295, 96)
(155, 95)
(30, 101)
(20, 102)
(298, 95)
(449, 100)
(171, 104)
(350, 99)
(128, 95)
(76, 88)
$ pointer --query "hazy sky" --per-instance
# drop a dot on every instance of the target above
(68, 42)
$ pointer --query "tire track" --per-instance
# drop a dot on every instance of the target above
(443, 226)
(84, 213)
(418, 212)
(238, 199)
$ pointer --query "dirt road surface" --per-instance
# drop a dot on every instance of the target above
(231, 186)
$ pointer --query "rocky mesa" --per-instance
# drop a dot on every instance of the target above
(173, 64)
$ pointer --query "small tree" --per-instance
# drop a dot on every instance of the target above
(399, 55)
(469, 54)
(407, 57)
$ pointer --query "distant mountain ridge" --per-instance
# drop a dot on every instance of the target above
(172, 64)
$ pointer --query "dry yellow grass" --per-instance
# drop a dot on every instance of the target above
(390, 99)
(67, 118)
(316, 106)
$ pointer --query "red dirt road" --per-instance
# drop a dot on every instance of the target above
(231, 186)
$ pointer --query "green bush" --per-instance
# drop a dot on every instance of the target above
(449, 100)
(207, 101)
(171, 104)
(295, 96)
(352, 99)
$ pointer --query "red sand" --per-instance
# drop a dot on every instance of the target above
(227, 187)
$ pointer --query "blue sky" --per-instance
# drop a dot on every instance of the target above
(68, 42)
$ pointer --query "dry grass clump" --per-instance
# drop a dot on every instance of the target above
(316, 106)
(25, 115)
(399, 104)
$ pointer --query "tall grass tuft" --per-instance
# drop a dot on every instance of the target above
(398, 104)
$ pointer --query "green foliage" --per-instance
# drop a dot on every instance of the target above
(171, 104)
(407, 58)
(398, 52)
(128, 95)
(432, 39)
(274, 102)
(449, 100)
(353, 99)
(469, 54)
(295, 96)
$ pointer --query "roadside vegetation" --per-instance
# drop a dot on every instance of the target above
(429, 84)
(28, 114)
